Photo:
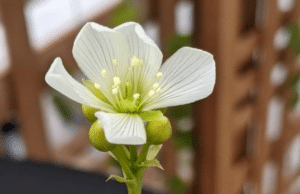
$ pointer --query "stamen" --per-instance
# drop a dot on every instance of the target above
(114, 62)
(127, 89)
(158, 90)
(155, 85)
(97, 86)
(151, 93)
(117, 81)
(136, 96)
(159, 75)
(136, 61)
(115, 91)
(104, 73)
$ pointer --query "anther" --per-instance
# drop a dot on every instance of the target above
(136, 96)
(151, 93)
(104, 73)
(158, 90)
(159, 75)
(114, 62)
(134, 61)
(97, 86)
(155, 85)
(115, 91)
(117, 81)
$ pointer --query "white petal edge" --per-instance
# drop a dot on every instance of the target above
(188, 76)
(94, 50)
(58, 78)
(143, 47)
(120, 128)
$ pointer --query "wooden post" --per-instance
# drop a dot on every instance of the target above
(216, 31)
(26, 78)
(166, 20)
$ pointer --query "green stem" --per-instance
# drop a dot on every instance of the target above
(122, 159)
(130, 166)
(143, 154)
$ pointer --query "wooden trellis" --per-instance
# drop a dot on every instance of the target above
(233, 119)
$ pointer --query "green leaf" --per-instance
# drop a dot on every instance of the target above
(177, 186)
(120, 179)
(151, 115)
(63, 108)
(294, 42)
(128, 11)
(151, 163)
(184, 139)
(153, 151)
(177, 41)
(178, 112)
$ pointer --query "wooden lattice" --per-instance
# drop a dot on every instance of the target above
(232, 122)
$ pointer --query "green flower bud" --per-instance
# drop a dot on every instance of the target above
(159, 130)
(97, 138)
(89, 113)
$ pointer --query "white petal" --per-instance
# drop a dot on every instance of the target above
(189, 75)
(141, 46)
(58, 78)
(95, 48)
(122, 128)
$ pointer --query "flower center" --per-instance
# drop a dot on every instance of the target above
(128, 91)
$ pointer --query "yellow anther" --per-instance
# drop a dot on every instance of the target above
(151, 93)
(159, 75)
(136, 96)
(114, 62)
(140, 62)
(104, 73)
(158, 90)
(115, 91)
(136, 61)
(97, 86)
(155, 85)
(117, 81)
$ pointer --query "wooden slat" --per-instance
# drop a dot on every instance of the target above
(243, 117)
(239, 175)
(245, 47)
(244, 85)
(166, 14)
(261, 154)
(26, 79)
(288, 181)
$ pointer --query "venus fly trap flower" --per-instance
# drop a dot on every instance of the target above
(125, 78)
(126, 87)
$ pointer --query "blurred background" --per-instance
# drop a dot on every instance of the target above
(244, 138)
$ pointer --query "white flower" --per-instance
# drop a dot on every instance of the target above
(124, 64)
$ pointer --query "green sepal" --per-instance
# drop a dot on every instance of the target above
(97, 138)
(158, 129)
(120, 179)
(151, 163)
(89, 113)
(153, 151)
(112, 155)
(151, 115)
